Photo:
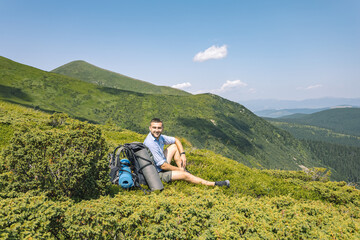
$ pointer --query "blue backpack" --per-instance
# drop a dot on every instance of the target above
(135, 160)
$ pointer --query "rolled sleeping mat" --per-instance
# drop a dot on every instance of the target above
(125, 178)
(150, 173)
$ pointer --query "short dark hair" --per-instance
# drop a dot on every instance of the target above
(156, 120)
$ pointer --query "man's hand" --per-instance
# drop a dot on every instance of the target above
(182, 153)
(183, 161)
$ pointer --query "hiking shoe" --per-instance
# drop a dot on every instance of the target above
(222, 183)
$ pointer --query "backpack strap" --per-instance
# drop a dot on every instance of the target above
(114, 164)
(116, 157)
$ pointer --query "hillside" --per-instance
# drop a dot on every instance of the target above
(336, 150)
(92, 74)
(307, 132)
(40, 203)
(207, 121)
(341, 120)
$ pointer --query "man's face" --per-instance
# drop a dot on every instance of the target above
(156, 129)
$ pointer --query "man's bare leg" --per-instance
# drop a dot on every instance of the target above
(172, 152)
(181, 175)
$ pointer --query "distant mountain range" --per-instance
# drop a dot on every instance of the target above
(266, 106)
(273, 113)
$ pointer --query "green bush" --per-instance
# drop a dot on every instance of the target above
(62, 159)
(171, 214)
(32, 217)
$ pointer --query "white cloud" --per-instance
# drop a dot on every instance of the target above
(230, 85)
(182, 85)
(213, 52)
(226, 87)
(252, 90)
(313, 86)
(200, 91)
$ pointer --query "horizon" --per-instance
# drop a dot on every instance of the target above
(242, 51)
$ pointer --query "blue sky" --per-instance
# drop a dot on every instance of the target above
(241, 50)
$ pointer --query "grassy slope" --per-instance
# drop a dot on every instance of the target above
(92, 74)
(314, 133)
(259, 204)
(344, 159)
(342, 120)
(336, 150)
(207, 121)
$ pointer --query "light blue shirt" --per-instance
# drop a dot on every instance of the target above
(157, 148)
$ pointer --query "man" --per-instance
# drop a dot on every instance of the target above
(155, 141)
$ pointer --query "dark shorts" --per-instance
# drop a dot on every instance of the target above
(165, 176)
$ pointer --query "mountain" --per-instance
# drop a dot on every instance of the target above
(313, 133)
(331, 136)
(206, 120)
(276, 113)
(266, 104)
(341, 120)
(92, 74)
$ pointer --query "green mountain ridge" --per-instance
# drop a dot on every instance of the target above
(308, 132)
(341, 120)
(337, 150)
(206, 120)
(102, 77)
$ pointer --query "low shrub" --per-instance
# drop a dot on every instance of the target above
(62, 159)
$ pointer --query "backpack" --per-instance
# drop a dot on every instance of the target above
(142, 165)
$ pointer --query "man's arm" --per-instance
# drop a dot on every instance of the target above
(181, 150)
